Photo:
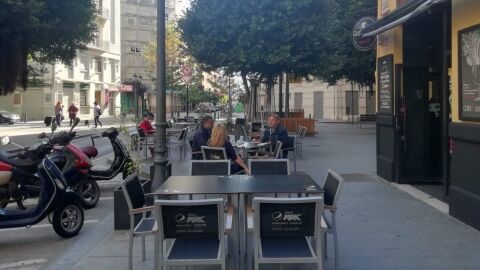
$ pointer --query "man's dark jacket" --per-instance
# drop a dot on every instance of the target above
(200, 139)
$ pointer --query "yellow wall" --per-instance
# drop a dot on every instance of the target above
(465, 13)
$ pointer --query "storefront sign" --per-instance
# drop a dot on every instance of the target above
(363, 43)
(385, 84)
(469, 73)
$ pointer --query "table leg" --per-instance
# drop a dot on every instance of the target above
(156, 250)
(242, 231)
(234, 260)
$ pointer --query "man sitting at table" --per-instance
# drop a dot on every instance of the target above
(146, 125)
(201, 137)
(219, 139)
(147, 128)
(275, 132)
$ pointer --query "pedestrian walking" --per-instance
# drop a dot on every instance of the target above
(58, 112)
(72, 112)
(97, 111)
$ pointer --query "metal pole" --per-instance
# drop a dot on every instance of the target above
(280, 95)
(287, 95)
(445, 116)
(160, 161)
(187, 100)
(135, 97)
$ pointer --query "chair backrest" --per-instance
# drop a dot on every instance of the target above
(269, 166)
(256, 126)
(214, 153)
(287, 217)
(333, 184)
(183, 134)
(190, 218)
(210, 167)
(292, 140)
(141, 132)
(277, 149)
(133, 191)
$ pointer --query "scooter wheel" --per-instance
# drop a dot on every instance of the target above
(89, 191)
(68, 220)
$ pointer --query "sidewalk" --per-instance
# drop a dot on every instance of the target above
(380, 226)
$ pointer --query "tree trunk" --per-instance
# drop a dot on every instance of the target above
(280, 95)
(247, 98)
(287, 95)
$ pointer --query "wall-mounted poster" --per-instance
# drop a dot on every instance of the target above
(469, 73)
(385, 84)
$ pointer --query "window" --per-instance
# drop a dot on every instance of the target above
(70, 72)
(48, 98)
(60, 97)
(98, 65)
(130, 21)
(146, 21)
(83, 98)
(17, 99)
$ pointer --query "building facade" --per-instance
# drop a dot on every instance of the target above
(94, 76)
(428, 113)
(344, 101)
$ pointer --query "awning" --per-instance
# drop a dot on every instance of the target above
(400, 15)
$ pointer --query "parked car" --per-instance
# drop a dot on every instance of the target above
(8, 117)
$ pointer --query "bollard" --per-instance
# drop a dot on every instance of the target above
(25, 118)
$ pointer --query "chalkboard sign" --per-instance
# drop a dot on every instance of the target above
(385, 84)
(469, 73)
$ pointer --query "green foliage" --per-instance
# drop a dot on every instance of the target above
(341, 60)
(43, 31)
(250, 36)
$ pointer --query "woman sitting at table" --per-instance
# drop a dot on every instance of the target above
(219, 139)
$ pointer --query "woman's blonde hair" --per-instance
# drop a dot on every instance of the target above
(219, 135)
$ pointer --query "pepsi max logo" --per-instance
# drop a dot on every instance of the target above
(287, 216)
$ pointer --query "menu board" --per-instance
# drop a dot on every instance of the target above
(469, 73)
(385, 84)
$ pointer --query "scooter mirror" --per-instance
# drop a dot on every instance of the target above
(42, 135)
(5, 140)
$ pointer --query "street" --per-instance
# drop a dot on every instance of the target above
(30, 248)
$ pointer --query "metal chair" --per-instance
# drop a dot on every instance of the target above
(135, 198)
(196, 232)
(274, 154)
(269, 166)
(292, 147)
(179, 143)
(299, 142)
(332, 186)
(214, 153)
(210, 167)
(287, 230)
(144, 140)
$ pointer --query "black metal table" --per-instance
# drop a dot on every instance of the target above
(239, 185)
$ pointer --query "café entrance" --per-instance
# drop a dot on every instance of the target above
(423, 105)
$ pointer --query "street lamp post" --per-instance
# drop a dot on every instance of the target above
(136, 86)
(160, 161)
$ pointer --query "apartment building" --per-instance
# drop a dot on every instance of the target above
(344, 101)
(138, 29)
(93, 76)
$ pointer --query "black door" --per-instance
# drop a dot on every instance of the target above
(415, 124)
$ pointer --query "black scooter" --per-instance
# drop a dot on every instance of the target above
(62, 205)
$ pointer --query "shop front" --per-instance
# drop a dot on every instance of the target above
(428, 93)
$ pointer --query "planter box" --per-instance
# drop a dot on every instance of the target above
(120, 207)
(291, 124)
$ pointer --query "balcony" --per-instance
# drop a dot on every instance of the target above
(100, 45)
(103, 14)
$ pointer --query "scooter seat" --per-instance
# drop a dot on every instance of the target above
(90, 151)
(17, 160)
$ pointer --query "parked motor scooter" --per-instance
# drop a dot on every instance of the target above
(62, 205)
(121, 160)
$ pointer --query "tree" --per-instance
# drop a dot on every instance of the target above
(41, 31)
(341, 60)
(259, 38)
